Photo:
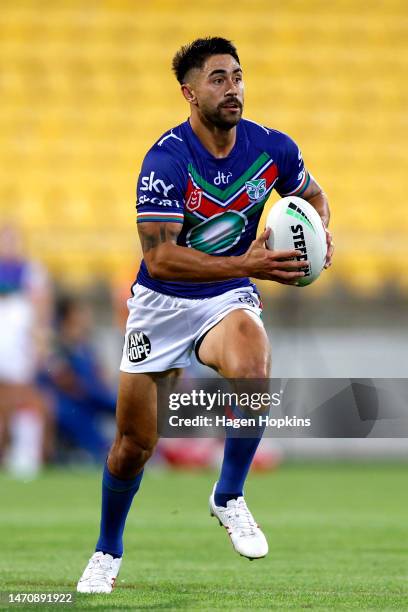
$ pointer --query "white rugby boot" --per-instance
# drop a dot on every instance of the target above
(100, 574)
(246, 537)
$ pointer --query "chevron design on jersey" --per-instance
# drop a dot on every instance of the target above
(222, 195)
(235, 197)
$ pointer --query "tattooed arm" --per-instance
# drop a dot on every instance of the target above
(166, 260)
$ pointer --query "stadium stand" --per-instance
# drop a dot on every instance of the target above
(86, 88)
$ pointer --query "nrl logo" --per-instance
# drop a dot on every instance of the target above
(256, 189)
(194, 200)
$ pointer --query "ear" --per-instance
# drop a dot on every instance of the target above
(188, 93)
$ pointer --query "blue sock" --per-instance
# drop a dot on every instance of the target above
(238, 455)
(117, 497)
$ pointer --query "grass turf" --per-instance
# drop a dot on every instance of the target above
(338, 539)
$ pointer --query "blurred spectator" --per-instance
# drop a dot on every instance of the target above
(74, 376)
(25, 307)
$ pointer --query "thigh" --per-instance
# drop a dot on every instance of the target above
(237, 347)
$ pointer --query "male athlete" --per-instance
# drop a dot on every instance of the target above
(200, 196)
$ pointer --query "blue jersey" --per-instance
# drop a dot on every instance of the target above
(13, 276)
(218, 202)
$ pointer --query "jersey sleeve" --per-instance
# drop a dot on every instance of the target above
(159, 193)
(293, 176)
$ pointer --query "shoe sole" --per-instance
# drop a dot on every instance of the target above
(240, 554)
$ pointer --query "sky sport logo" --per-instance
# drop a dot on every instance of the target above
(138, 346)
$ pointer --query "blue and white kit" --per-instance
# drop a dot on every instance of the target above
(218, 203)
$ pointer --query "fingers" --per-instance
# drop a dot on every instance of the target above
(289, 265)
(330, 249)
(280, 255)
(287, 276)
(329, 256)
(262, 238)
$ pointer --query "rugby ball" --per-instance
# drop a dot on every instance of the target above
(295, 224)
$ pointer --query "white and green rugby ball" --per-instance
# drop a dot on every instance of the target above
(295, 224)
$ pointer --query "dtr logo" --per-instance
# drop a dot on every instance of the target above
(138, 346)
(222, 179)
(148, 184)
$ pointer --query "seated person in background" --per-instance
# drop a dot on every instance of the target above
(75, 378)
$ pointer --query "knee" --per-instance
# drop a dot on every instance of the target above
(249, 368)
(129, 454)
(136, 449)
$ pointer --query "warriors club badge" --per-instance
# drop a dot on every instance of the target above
(256, 189)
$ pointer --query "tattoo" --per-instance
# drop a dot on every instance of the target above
(148, 242)
(162, 230)
(153, 234)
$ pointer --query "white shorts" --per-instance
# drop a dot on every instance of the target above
(17, 351)
(162, 330)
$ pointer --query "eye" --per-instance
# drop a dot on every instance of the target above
(217, 81)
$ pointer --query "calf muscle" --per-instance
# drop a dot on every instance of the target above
(136, 420)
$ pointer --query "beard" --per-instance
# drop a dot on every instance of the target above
(220, 117)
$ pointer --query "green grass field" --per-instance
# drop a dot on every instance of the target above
(338, 538)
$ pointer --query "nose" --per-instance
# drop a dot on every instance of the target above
(232, 88)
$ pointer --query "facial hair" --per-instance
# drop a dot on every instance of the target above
(218, 119)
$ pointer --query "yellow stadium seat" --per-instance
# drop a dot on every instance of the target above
(87, 88)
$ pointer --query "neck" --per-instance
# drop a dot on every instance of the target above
(217, 141)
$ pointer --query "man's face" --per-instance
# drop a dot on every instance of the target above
(219, 91)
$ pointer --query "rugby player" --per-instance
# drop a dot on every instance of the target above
(200, 195)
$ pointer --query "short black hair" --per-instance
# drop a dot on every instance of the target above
(66, 305)
(195, 54)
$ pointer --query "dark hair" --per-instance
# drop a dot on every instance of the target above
(195, 54)
(65, 305)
